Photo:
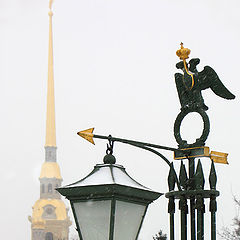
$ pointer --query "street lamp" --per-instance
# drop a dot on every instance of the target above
(108, 204)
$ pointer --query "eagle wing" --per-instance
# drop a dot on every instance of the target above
(208, 78)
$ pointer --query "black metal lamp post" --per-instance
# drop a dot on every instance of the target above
(108, 204)
(108, 201)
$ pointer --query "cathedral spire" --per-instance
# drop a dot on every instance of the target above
(50, 123)
(50, 218)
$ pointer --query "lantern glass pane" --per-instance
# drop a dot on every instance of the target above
(128, 218)
(94, 219)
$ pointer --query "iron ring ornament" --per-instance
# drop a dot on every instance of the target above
(199, 141)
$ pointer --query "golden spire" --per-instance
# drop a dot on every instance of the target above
(50, 124)
(50, 4)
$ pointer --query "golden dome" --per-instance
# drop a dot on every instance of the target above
(50, 170)
(37, 219)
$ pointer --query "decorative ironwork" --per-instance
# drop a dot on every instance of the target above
(201, 140)
(183, 176)
(109, 158)
(189, 86)
(190, 191)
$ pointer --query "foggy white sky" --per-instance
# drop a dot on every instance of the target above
(114, 67)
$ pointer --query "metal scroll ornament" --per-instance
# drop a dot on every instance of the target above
(189, 87)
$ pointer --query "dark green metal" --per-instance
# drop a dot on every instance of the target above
(192, 218)
(199, 141)
(183, 176)
(199, 180)
(189, 86)
(200, 217)
(161, 156)
(146, 146)
(132, 142)
(193, 191)
(183, 201)
(112, 191)
(190, 96)
(184, 211)
(171, 178)
(171, 211)
(112, 219)
(191, 170)
(105, 192)
(171, 226)
(75, 218)
(190, 186)
(213, 177)
(109, 159)
(171, 201)
(190, 153)
(189, 193)
(199, 177)
(213, 209)
(213, 202)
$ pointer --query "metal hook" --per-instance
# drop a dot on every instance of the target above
(110, 145)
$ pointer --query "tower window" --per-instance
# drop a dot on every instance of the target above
(49, 236)
(43, 188)
(49, 187)
(49, 212)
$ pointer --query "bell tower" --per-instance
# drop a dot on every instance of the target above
(49, 220)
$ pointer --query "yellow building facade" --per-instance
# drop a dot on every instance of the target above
(49, 220)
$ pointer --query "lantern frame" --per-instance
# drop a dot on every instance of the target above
(108, 182)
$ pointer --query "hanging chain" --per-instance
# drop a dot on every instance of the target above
(110, 145)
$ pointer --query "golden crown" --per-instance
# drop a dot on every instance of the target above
(183, 53)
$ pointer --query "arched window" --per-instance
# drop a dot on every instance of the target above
(49, 187)
(43, 188)
(49, 236)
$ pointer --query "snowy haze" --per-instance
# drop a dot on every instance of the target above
(114, 64)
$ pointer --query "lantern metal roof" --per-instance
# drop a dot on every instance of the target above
(109, 180)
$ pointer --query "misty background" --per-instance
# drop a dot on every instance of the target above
(114, 64)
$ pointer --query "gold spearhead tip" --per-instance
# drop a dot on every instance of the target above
(50, 4)
(87, 134)
(183, 53)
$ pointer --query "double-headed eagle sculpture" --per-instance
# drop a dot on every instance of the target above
(191, 82)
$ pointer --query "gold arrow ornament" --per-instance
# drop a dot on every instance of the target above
(87, 134)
